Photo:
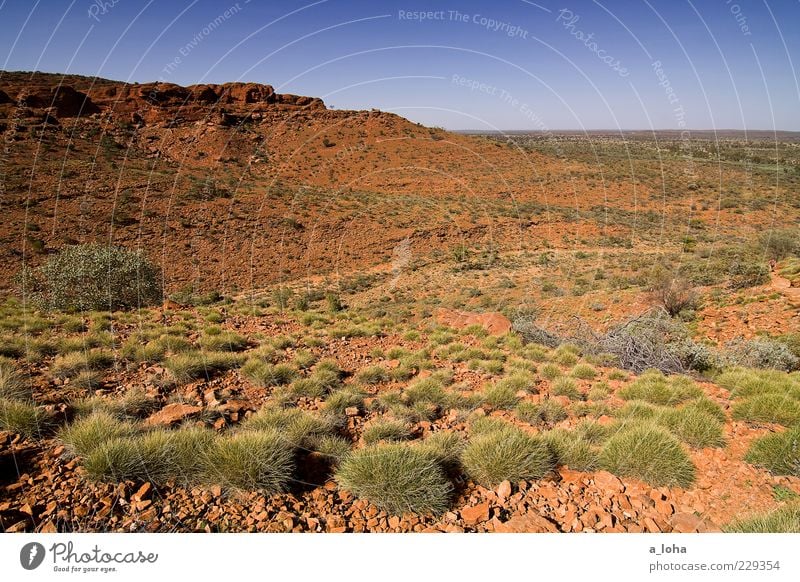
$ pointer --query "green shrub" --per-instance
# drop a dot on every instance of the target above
(768, 408)
(92, 277)
(649, 453)
(24, 418)
(507, 454)
(86, 434)
(779, 453)
(761, 353)
(398, 478)
(251, 460)
(782, 520)
(385, 430)
(656, 388)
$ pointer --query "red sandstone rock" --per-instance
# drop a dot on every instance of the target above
(172, 413)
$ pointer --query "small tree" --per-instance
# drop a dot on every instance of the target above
(93, 277)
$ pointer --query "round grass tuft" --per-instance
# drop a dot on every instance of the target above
(508, 453)
(779, 453)
(649, 453)
(398, 478)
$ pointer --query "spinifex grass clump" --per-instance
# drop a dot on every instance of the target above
(546, 413)
(385, 430)
(782, 520)
(251, 460)
(650, 453)
(12, 384)
(74, 363)
(570, 449)
(399, 478)
(779, 453)
(507, 453)
(771, 407)
(654, 387)
(86, 434)
(297, 427)
(266, 374)
(188, 366)
(21, 417)
(744, 383)
(694, 426)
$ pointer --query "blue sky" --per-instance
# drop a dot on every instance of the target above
(506, 64)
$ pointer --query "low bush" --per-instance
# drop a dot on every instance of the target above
(649, 453)
(92, 277)
(761, 353)
(398, 478)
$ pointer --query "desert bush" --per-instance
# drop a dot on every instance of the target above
(93, 277)
(761, 353)
(86, 434)
(779, 453)
(780, 243)
(398, 478)
(649, 453)
(656, 388)
(785, 519)
(24, 418)
(568, 448)
(189, 366)
(674, 294)
(768, 408)
(509, 453)
(251, 460)
(385, 430)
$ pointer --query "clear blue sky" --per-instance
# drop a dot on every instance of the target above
(504, 64)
